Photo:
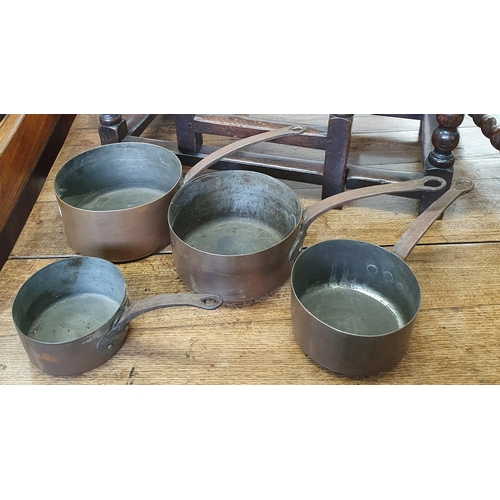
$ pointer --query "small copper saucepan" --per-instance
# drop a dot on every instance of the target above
(74, 314)
(354, 303)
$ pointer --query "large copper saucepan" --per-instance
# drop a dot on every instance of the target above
(236, 233)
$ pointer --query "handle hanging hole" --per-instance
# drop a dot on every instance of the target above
(434, 182)
(212, 301)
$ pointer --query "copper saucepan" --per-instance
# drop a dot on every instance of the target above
(74, 314)
(236, 233)
(354, 304)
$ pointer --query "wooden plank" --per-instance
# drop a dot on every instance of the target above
(29, 145)
(22, 139)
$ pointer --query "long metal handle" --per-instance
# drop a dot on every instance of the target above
(218, 155)
(420, 226)
(427, 183)
(162, 301)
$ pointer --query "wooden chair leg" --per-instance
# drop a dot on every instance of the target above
(188, 141)
(489, 127)
(338, 141)
(112, 128)
(440, 159)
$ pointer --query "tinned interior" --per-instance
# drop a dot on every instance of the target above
(118, 176)
(42, 303)
(356, 287)
(234, 212)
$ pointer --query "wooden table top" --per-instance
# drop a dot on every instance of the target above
(455, 338)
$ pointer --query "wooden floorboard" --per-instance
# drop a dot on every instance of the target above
(455, 338)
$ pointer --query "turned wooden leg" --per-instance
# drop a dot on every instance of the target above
(441, 159)
(489, 128)
(112, 128)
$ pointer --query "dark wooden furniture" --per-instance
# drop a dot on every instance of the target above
(439, 137)
(489, 127)
(29, 144)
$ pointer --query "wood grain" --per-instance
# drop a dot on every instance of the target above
(29, 145)
(22, 138)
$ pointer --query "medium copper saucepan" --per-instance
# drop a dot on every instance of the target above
(236, 233)
(74, 314)
(354, 303)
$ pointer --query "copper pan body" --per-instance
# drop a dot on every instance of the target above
(114, 200)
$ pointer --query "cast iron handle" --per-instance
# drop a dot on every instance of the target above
(160, 301)
(424, 221)
(427, 183)
(218, 155)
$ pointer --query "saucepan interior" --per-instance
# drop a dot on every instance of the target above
(234, 213)
(356, 288)
(118, 176)
(69, 300)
